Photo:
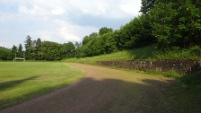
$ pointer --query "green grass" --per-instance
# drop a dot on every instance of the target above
(141, 53)
(145, 53)
(191, 53)
(20, 81)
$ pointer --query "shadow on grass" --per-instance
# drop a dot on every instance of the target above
(10, 84)
(142, 53)
(113, 96)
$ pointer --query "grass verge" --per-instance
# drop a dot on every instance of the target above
(20, 81)
(144, 53)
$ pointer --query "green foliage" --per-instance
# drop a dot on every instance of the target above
(147, 5)
(20, 51)
(68, 50)
(14, 49)
(97, 44)
(175, 24)
(50, 51)
(105, 30)
(85, 40)
(5, 54)
(137, 33)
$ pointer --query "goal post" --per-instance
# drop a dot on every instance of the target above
(19, 58)
(16, 58)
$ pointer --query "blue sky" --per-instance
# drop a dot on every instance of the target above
(61, 20)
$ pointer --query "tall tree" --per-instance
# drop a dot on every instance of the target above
(14, 49)
(20, 51)
(28, 42)
(38, 43)
(28, 47)
(38, 53)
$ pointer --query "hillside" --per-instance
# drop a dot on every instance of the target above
(145, 53)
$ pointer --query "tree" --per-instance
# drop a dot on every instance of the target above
(28, 42)
(85, 40)
(14, 49)
(37, 52)
(93, 35)
(28, 47)
(20, 51)
(68, 50)
(5, 54)
(147, 5)
(51, 51)
(176, 24)
(105, 30)
(78, 50)
(38, 43)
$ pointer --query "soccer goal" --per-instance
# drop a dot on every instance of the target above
(18, 58)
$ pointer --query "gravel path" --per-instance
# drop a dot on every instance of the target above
(105, 90)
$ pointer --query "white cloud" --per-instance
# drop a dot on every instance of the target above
(56, 20)
(72, 32)
(34, 10)
(58, 11)
(64, 32)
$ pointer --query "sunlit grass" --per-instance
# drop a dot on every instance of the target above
(20, 81)
(144, 53)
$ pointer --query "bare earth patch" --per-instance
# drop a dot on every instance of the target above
(106, 90)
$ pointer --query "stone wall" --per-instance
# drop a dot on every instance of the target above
(180, 65)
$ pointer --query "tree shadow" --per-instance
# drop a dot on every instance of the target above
(10, 84)
(111, 96)
(142, 53)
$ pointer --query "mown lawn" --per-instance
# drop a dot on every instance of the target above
(20, 81)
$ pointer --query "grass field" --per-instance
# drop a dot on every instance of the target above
(20, 81)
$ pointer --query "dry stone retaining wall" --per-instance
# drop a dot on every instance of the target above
(178, 65)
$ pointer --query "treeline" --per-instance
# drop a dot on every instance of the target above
(39, 50)
(46, 50)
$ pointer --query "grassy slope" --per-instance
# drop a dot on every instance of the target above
(24, 80)
(146, 53)
(142, 53)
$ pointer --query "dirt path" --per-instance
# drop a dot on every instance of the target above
(105, 90)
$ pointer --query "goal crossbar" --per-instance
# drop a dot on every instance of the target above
(17, 58)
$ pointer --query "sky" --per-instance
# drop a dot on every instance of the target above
(61, 20)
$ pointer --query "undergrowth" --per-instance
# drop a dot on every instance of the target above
(192, 79)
